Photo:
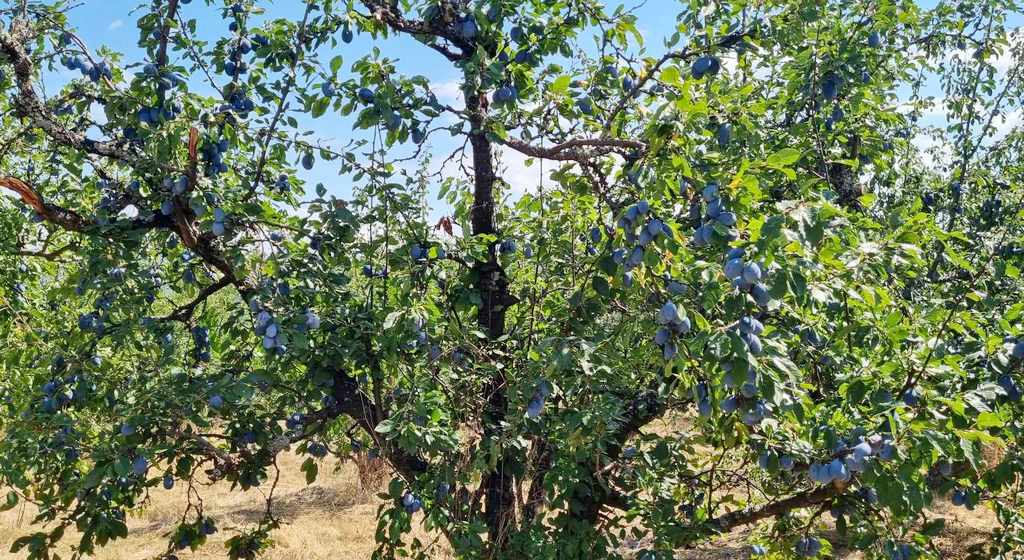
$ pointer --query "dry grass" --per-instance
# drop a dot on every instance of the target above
(334, 518)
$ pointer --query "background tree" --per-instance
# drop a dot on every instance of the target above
(742, 228)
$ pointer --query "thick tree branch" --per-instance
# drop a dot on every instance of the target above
(29, 106)
(182, 224)
(577, 150)
(353, 402)
(67, 219)
(443, 28)
(747, 516)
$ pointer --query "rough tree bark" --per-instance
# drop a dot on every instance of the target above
(493, 290)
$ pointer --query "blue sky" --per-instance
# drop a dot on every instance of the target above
(112, 23)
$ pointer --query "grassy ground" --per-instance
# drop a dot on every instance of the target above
(334, 519)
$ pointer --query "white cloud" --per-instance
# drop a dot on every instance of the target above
(1007, 122)
(1001, 60)
(449, 92)
(116, 24)
(520, 177)
(523, 178)
(936, 109)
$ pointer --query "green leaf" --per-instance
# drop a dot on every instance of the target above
(10, 501)
(396, 488)
(95, 476)
(989, 420)
(320, 106)
(670, 75)
(784, 157)
(561, 84)
(311, 469)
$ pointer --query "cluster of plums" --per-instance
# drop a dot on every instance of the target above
(746, 277)
(705, 66)
(95, 72)
(673, 322)
(507, 247)
(411, 503)
(213, 153)
(201, 339)
(639, 231)
(239, 102)
(853, 459)
(272, 333)
(717, 213)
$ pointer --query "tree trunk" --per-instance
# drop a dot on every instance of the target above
(492, 287)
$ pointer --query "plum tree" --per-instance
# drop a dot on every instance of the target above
(752, 229)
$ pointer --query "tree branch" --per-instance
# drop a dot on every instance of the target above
(28, 105)
(684, 54)
(353, 402)
(48, 255)
(383, 12)
(747, 516)
(184, 313)
(67, 219)
(575, 150)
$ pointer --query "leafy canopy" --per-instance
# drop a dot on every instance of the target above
(769, 269)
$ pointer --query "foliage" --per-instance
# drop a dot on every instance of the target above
(743, 228)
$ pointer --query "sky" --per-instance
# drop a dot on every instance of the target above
(112, 23)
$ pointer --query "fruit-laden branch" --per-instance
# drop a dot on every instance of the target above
(72, 221)
(44, 254)
(747, 516)
(444, 29)
(282, 104)
(684, 54)
(577, 150)
(738, 518)
(28, 105)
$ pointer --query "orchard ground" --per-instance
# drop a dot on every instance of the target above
(334, 518)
